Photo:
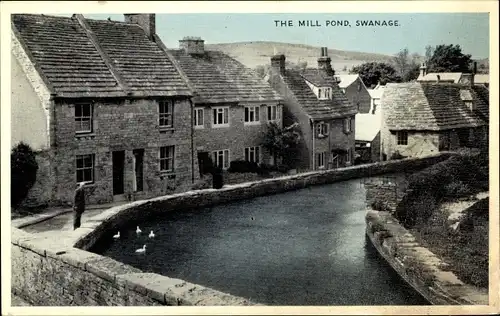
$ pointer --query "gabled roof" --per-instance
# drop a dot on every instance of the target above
(216, 78)
(367, 126)
(433, 106)
(346, 80)
(338, 106)
(109, 58)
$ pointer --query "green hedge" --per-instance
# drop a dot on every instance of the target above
(23, 172)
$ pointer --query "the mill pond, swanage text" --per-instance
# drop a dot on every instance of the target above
(305, 247)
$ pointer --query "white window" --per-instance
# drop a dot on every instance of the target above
(220, 116)
(320, 160)
(321, 129)
(470, 105)
(324, 93)
(221, 158)
(167, 158)
(348, 155)
(252, 114)
(166, 113)
(199, 119)
(402, 137)
(347, 125)
(252, 154)
(83, 118)
(274, 112)
(85, 168)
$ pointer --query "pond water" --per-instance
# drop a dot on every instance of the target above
(305, 247)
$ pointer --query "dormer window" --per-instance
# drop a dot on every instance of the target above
(470, 105)
(466, 96)
(325, 93)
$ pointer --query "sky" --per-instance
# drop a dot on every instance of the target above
(415, 30)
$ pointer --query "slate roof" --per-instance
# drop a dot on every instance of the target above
(433, 106)
(339, 106)
(75, 67)
(346, 80)
(367, 126)
(218, 78)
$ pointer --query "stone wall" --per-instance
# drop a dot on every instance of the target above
(52, 273)
(383, 192)
(61, 271)
(124, 125)
(418, 266)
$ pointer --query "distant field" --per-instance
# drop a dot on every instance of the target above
(252, 54)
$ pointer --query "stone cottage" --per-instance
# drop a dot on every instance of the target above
(102, 102)
(355, 90)
(313, 99)
(232, 105)
(453, 77)
(424, 118)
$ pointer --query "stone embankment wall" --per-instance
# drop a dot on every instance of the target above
(58, 269)
(418, 266)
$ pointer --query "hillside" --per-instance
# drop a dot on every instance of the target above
(252, 54)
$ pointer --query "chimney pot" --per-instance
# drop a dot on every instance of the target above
(192, 45)
(146, 21)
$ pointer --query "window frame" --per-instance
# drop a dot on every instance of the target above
(277, 113)
(196, 118)
(321, 157)
(251, 109)
(172, 158)
(89, 118)
(215, 116)
(402, 138)
(82, 169)
(348, 156)
(324, 93)
(256, 154)
(217, 153)
(165, 116)
(322, 128)
(347, 125)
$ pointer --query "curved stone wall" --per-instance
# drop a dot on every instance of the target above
(59, 270)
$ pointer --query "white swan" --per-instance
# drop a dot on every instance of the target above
(151, 235)
(138, 230)
(117, 235)
(141, 250)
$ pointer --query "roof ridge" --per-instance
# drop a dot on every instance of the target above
(106, 59)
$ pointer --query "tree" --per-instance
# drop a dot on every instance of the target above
(373, 73)
(407, 66)
(23, 172)
(281, 142)
(429, 50)
(449, 58)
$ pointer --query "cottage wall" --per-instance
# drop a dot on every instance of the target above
(419, 143)
(362, 96)
(375, 148)
(237, 136)
(30, 102)
(121, 125)
(336, 139)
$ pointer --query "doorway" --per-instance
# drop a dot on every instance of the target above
(204, 163)
(118, 171)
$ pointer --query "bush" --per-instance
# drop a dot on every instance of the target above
(283, 168)
(415, 209)
(381, 206)
(243, 166)
(23, 172)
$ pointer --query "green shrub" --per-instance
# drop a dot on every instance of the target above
(379, 205)
(415, 209)
(23, 172)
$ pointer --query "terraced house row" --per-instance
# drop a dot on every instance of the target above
(105, 102)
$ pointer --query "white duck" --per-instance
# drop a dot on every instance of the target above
(138, 230)
(117, 236)
(141, 250)
(151, 235)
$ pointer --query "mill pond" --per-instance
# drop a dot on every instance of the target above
(305, 247)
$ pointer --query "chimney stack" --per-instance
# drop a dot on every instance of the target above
(325, 62)
(278, 63)
(146, 21)
(423, 70)
(192, 45)
(438, 78)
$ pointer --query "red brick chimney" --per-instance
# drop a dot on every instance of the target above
(146, 21)
(325, 62)
(278, 63)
